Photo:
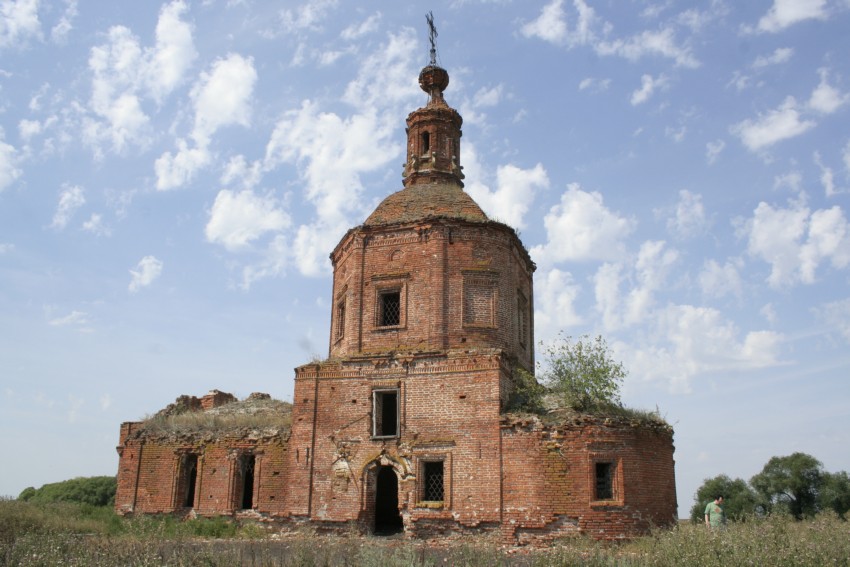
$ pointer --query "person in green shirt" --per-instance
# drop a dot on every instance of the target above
(715, 517)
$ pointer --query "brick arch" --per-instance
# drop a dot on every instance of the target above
(369, 484)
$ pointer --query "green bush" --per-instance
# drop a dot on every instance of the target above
(93, 490)
(582, 373)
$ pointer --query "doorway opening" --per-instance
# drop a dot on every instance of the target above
(387, 518)
(246, 465)
(188, 479)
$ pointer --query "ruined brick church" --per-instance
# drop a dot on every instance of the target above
(405, 426)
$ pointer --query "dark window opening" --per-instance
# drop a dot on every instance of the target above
(604, 481)
(389, 308)
(387, 518)
(246, 475)
(189, 478)
(340, 319)
(432, 489)
(426, 142)
(385, 413)
(522, 318)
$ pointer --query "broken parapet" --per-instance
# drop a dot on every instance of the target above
(217, 414)
(216, 398)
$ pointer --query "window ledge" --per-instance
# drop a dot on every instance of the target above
(382, 437)
(430, 505)
(607, 504)
(389, 328)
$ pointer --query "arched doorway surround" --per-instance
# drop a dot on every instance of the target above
(381, 494)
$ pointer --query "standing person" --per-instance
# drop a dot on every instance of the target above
(715, 516)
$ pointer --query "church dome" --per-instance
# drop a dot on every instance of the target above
(440, 199)
(433, 176)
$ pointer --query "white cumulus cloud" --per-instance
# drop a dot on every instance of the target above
(713, 149)
(581, 227)
(71, 198)
(9, 170)
(685, 341)
(237, 219)
(124, 73)
(647, 272)
(73, 318)
(826, 99)
(785, 13)
(514, 192)
(18, 22)
(780, 55)
(147, 270)
(59, 32)
(845, 158)
(688, 219)
(719, 281)
(779, 124)
(359, 29)
(648, 85)
(221, 97)
(555, 294)
(650, 42)
(332, 151)
(795, 241)
(594, 85)
(308, 16)
(550, 25)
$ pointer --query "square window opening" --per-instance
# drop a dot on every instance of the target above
(385, 413)
(389, 308)
(604, 481)
(432, 481)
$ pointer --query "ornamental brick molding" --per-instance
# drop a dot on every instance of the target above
(405, 425)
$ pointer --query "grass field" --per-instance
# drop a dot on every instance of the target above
(80, 535)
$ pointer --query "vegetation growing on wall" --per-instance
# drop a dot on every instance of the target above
(253, 413)
(577, 375)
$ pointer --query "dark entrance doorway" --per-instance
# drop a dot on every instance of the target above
(387, 518)
(246, 463)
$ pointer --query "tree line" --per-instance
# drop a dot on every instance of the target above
(93, 490)
(796, 484)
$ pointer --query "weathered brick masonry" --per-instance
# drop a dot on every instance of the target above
(404, 425)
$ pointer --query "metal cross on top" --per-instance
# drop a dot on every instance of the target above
(432, 36)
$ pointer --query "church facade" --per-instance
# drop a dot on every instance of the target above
(405, 425)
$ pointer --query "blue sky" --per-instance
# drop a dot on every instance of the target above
(173, 176)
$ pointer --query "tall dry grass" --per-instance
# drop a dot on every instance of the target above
(67, 534)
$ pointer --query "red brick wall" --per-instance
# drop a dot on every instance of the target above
(449, 410)
(429, 264)
(149, 474)
(536, 482)
(550, 475)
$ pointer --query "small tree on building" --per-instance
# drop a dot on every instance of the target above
(582, 373)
